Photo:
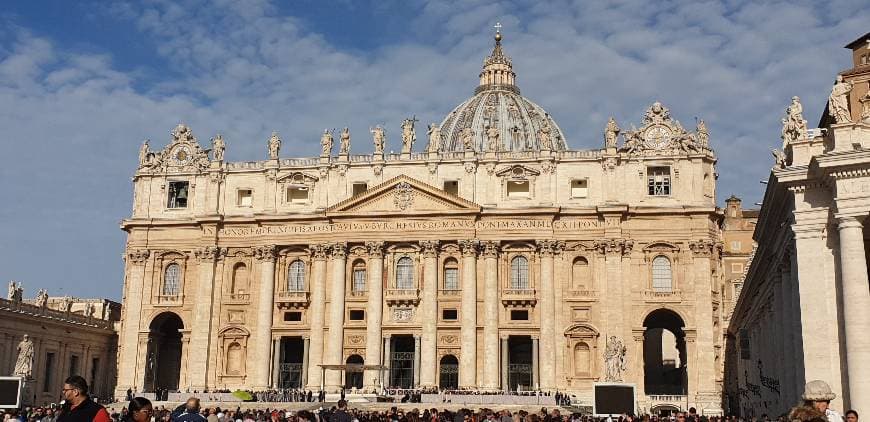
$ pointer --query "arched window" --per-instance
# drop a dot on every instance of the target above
(581, 359)
(580, 274)
(172, 280)
(296, 276)
(359, 276)
(240, 279)
(662, 280)
(404, 273)
(519, 273)
(451, 274)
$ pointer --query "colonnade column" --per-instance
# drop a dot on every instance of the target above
(547, 354)
(129, 338)
(386, 362)
(504, 364)
(856, 310)
(490, 315)
(262, 347)
(202, 314)
(788, 333)
(306, 347)
(536, 382)
(374, 311)
(782, 364)
(429, 305)
(335, 336)
(416, 361)
(276, 362)
(703, 251)
(468, 331)
(317, 309)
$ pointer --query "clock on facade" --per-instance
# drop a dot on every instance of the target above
(657, 137)
(181, 155)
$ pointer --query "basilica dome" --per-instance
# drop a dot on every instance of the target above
(498, 107)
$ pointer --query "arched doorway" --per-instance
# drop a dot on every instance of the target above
(448, 373)
(163, 365)
(664, 353)
(353, 373)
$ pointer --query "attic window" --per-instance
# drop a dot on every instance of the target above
(579, 188)
(178, 192)
(297, 194)
(517, 189)
(245, 197)
(359, 188)
(451, 187)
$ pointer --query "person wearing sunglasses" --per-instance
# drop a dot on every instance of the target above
(78, 406)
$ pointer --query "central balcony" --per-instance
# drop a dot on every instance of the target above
(514, 298)
(292, 299)
(402, 296)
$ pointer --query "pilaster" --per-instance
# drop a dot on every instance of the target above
(128, 341)
(202, 314)
(491, 312)
(374, 311)
(317, 310)
(335, 334)
(468, 330)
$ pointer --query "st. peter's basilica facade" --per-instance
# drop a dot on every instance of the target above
(496, 258)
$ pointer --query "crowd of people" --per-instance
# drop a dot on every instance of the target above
(77, 406)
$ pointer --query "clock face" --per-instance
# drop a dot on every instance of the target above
(181, 155)
(657, 137)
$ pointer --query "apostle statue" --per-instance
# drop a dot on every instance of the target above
(89, 310)
(326, 143)
(702, 134)
(67, 303)
(611, 132)
(344, 146)
(144, 152)
(217, 147)
(492, 135)
(778, 158)
(24, 363)
(408, 135)
(467, 136)
(378, 139)
(795, 112)
(42, 298)
(274, 146)
(838, 102)
(544, 135)
(434, 138)
(10, 295)
(614, 360)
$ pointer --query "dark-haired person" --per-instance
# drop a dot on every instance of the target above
(188, 412)
(78, 407)
(139, 410)
(851, 416)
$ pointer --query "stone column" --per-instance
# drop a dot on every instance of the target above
(429, 308)
(306, 349)
(202, 315)
(316, 310)
(780, 338)
(504, 364)
(790, 365)
(374, 311)
(335, 335)
(183, 379)
(468, 331)
(128, 341)
(536, 382)
(705, 369)
(547, 357)
(266, 255)
(856, 310)
(416, 361)
(490, 315)
(387, 362)
(276, 362)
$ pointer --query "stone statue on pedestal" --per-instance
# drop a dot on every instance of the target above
(434, 138)
(24, 363)
(217, 147)
(378, 139)
(16, 292)
(144, 153)
(274, 146)
(344, 146)
(794, 126)
(614, 360)
(326, 141)
(838, 102)
(611, 132)
(42, 298)
(467, 136)
(408, 135)
(702, 135)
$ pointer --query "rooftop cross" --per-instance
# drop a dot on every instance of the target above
(497, 26)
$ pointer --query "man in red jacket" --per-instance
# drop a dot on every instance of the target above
(77, 406)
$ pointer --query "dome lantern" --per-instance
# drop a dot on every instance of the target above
(497, 70)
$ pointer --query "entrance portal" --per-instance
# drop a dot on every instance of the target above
(353, 373)
(163, 365)
(519, 363)
(664, 354)
(448, 373)
(291, 358)
(402, 361)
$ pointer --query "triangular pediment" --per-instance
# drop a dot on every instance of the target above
(403, 195)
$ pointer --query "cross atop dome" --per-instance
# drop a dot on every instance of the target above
(497, 68)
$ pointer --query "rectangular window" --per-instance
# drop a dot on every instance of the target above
(451, 279)
(359, 280)
(178, 192)
(736, 245)
(357, 315)
(736, 268)
(451, 187)
(659, 181)
(245, 198)
(292, 316)
(297, 194)
(517, 189)
(579, 188)
(48, 377)
(449, 314)
(519, 315)
(73, 365)
(359, 188)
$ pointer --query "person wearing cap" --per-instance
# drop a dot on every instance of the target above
(817, 396)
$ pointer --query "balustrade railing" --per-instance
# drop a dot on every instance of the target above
(662, 296)
(449, 292)
(55, 314)
(402, 295)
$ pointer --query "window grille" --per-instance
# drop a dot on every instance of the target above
(661, 274)
(405, 273)
(451, 275)
(659, 181)
(171, 280)
(296, 276)
(520, 273)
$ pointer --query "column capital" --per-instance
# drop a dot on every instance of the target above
(266, 253)
(547, 247)
(489, 248)
(319, 251)
(138, 256)
(209, 253)
(469, 247)
(339, 250)
(846, 221)
(375, 249)
(430, 248)
(614, 246)
(704, 247)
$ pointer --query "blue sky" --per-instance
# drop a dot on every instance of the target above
(82, 84)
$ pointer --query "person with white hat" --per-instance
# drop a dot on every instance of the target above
(818, 395)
